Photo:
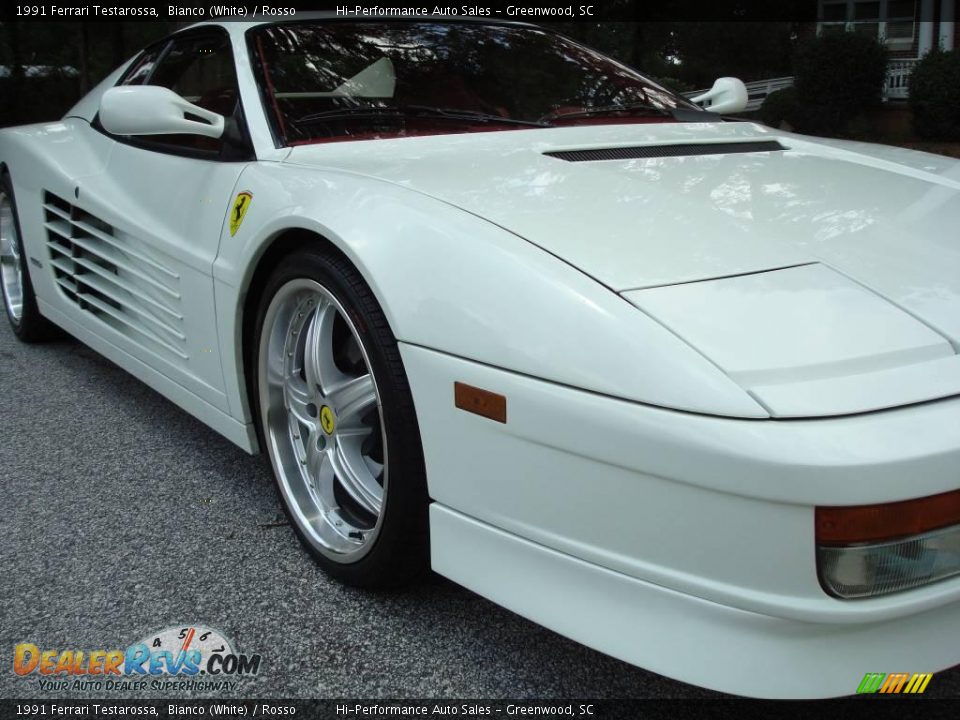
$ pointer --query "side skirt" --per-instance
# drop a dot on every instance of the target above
(241, 434)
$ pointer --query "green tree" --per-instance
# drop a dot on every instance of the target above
(837, 77)
(935, 95)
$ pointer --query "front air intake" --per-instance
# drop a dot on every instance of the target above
(657, 151)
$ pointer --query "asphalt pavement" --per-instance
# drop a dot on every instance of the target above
(123, 515)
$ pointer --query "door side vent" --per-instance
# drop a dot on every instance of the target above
(113, 277)
(657, 151)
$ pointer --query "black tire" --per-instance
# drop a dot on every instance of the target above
(31, 326)
(400, 550)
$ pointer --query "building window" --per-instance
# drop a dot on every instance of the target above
(866, 18)
(891, 21)
(834, 17)
(900, 19)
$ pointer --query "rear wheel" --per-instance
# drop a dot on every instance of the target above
(336, 418)
(19, 300)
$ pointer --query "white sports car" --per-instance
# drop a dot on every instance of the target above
(682, 388)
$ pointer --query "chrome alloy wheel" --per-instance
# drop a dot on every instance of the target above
(323, 420)
(11, 262)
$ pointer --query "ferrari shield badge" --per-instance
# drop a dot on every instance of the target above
(239, 210)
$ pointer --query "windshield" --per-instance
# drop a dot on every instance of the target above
(341, 80)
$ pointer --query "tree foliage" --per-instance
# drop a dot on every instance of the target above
(76, 56)
(935, 95)
(694, 53)
(837, 77)
(780, 107)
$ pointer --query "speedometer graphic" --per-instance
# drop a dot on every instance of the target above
(188, 649)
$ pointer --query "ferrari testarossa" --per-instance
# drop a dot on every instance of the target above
(683, 388)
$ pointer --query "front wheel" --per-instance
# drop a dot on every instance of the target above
(336, 418)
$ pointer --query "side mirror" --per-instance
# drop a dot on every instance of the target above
(155, 110)
(728, 95)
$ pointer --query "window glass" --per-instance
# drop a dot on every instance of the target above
(901, 9)
(900, 30)
(866, 18)
(866, 11)
(200, 69)
(895, 23)
(346, 80)
(835, 12)
(143, 66)
(900, 17)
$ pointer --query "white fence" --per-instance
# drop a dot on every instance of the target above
(897, 86)
(898, 79)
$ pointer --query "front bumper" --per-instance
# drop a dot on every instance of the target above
(714, 514)
(679, 635)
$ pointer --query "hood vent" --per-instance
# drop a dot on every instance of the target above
(656, 151)
(111, 277)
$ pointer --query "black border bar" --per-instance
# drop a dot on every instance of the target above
(521, 10)
(873, 708)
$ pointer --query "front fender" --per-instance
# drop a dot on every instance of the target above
(453, 282)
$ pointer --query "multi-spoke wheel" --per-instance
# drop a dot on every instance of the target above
(18, 298)
(337, 421)
(11, 261)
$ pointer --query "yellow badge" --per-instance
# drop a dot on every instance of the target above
(239, 210)
(327, 421)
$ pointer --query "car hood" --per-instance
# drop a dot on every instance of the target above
(881, 221)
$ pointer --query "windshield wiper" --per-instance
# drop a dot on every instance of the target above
(634, 108)
(462, 114)
(400, 112)
(346, 112)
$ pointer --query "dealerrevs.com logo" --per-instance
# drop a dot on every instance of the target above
(187, 657)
